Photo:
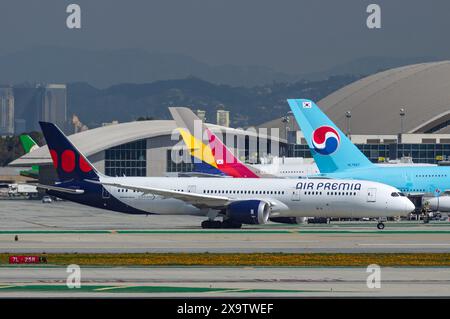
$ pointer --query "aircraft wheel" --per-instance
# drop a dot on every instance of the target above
(209, 224)
(380, 226)
(231, 224)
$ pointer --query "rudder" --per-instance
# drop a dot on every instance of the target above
(331, 148)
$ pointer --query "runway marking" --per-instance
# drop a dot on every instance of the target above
(158, 289)
(408, 244)
(55, 231)
(114, 287)
(377, 232)
(229, 290)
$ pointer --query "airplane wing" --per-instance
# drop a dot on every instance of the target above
(199, 174)
(199, 200)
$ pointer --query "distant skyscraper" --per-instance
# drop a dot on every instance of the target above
(6, 111)
(201, 115)
(52, 105)
(223, 118)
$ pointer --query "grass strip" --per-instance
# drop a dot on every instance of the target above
(241, 259)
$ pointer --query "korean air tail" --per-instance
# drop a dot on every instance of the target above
(330, 147)
(68, 161)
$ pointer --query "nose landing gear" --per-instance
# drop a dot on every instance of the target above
(380, 225)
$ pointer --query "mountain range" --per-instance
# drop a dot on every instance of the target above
(104, 68)
(247, 106)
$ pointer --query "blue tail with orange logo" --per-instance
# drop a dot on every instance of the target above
(68, 161)
(330, 147)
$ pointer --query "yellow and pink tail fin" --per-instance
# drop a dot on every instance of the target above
(206, 147)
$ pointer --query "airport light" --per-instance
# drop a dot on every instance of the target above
(288, 125)
(402, 116)
(348, 115)
(285, 119)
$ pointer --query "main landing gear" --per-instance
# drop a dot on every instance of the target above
(380, 225)
(215, 224)
(208, 224)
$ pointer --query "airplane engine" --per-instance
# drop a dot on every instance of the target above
(441, 203)
(249, 212)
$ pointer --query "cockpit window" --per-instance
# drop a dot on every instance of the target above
(394, 194)
(402, 195)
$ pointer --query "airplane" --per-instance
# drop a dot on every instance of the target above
(215, 158)
(337, 157)
(236, 200)
(439, 203)
(29, 145)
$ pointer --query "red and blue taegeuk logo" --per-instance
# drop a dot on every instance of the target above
(325, 140)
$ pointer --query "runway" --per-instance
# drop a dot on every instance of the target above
(67, 227)
(223, 241)
(34, 215)
(223, 282)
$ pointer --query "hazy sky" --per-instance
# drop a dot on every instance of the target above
(293, 36)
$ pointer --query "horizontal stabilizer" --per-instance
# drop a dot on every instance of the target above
(61, 189)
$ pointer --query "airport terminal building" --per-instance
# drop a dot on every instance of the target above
(400, 112)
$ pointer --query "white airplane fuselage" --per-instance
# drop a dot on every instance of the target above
(287, 197)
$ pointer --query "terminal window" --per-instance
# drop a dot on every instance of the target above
(128, 159)
(420, 153)
(177, 163)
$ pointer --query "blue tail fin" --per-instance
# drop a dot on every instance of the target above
(69, 163)
(331, 149)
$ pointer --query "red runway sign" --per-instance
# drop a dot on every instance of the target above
(27, 260)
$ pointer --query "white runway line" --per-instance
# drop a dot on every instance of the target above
(113, 288)
(395, 245)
